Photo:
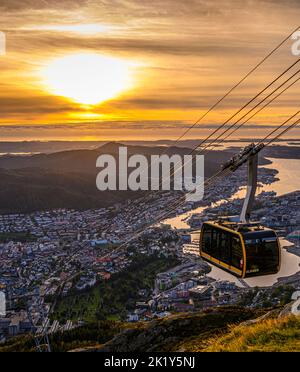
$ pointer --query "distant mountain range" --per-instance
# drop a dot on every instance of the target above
(68, 179)
(48, 147)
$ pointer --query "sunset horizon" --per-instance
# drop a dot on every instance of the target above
(97, 70)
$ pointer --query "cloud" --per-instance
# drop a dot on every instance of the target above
(20, 105)
(25, 5)
(194, 51)
(37, 42)
(125, 125)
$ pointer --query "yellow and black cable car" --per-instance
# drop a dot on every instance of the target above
(242, 250)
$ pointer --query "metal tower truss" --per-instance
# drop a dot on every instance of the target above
(248, 155)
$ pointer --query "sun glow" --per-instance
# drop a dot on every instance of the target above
(88, 79)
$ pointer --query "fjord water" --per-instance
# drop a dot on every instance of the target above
(289, 181)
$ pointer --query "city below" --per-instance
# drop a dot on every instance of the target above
(61, 269)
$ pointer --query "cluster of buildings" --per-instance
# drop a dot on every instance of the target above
(279, 213)
(185, 291)
(185, 288)
(67, 250)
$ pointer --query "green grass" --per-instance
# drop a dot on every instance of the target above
(273, 335)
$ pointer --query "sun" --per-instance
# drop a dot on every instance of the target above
(88, 79)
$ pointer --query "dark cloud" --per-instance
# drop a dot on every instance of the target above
(24, 5)
(20, 105)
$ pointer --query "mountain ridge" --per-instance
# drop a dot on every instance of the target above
(68, 179)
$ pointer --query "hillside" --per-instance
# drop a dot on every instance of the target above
(270, 335)
(85, 160)
(28, 190)
(158, 335)
(227, 329)
(173, 333)
(114, 298)
(68, 179)
(220, 330)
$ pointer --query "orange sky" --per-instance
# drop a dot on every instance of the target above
(183, 55)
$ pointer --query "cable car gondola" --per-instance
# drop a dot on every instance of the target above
(236, 245)
(243, 250)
